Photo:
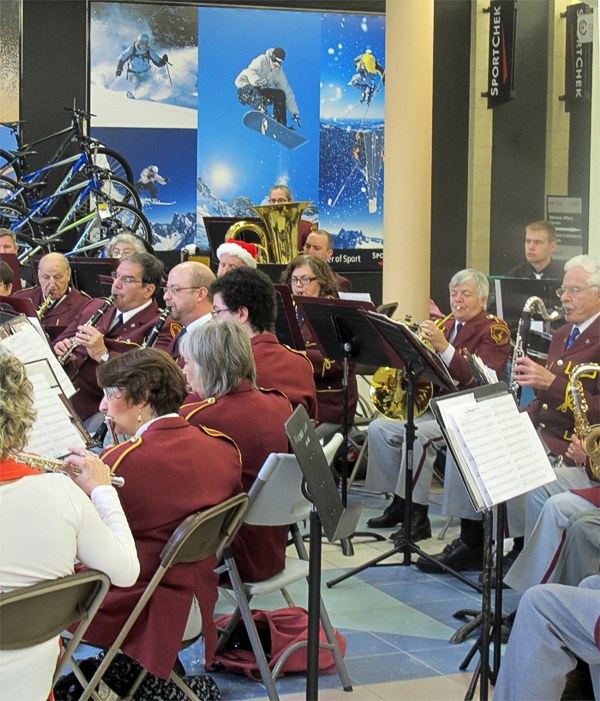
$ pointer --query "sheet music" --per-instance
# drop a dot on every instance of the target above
(53, 433)
(28, 346)
(498, 446)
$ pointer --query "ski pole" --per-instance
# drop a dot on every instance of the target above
(109, 82)
(169, 73)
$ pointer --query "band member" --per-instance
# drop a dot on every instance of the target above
(125, 325)
(123, 245)
(235, 254)
(190, 304)
(248, 297)
(171, 470)
(48, 520)
(282, 194)
(308, 276)
(220, 369)
(540, 244)
(55, 297)
(320, 244)
(471, 329)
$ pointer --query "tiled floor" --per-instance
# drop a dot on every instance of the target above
(397, 622)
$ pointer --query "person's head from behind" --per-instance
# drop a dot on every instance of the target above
(320, 244)
(218, 358)
(54, 275)
(187, 291)
(580, 291)
(136, 280)
(138, 386)
(309, 276)
(469, 292)
(540, 243)
(123, 245)
(16, 404)
(280, 194)
(8, 241)
(246, 296)
(235, 254)
(6, 278)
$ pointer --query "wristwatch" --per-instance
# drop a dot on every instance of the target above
(105, 357)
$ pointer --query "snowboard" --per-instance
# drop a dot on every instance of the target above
(149, 202)
(267, 126)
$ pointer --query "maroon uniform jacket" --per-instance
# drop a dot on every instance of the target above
(305, 227)
(329, 376)
(485, 335)
(289, 371)
(58, 317)
(552, 409)
(81, 368)
(170, 471)
(255, 420)
(344, 285)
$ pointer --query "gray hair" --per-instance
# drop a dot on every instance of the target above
(589, 264)
(130, 239)
(480, 281)
(8, 232)
(222, 354)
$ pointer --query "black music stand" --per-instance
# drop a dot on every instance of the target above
(407, 351)
(287, 328)
(328, 514)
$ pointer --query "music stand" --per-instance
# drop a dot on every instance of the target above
(407, 351)
(328, 514)
(287, 328)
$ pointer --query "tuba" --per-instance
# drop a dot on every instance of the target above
(588, 435)
(522, 339)
(389, 386)
(278, 238)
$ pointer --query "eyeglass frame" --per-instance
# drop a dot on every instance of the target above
(302, 280)
(572, 290)
(215, 312)
(125, 279)
(110, 392)
(175, 289)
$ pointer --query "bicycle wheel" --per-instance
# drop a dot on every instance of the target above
(110, 160)
(116, 218)
(15, 219)
(9, 192)
(112, 189)
(9, 165)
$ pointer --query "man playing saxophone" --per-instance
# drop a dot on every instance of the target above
(124, 326)
(473, 330)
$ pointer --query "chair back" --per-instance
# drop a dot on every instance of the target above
(204, 533)
(276, 497)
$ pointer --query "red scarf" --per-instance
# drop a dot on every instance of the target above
(11, 470)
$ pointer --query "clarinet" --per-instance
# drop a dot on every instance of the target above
(156, 329)
(92, 321)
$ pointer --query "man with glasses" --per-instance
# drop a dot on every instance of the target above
(188, 298)
(248, 297)
(282, 194)
(124, 326)
(578, 341)
(55, 297)
(264, 83)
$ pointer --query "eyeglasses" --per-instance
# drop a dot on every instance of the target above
(125, 279)
(175, 289)
(572, 291)
(215, 312)
(110, 392)
(302, 280)
(278, 200)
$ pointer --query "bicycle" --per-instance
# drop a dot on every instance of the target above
(14, 164)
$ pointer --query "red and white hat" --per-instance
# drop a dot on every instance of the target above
(245, 251)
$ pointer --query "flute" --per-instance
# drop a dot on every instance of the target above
(37, 462)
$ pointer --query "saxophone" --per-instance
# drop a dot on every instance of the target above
(522, 338)
(92, 321)
(44, 307)
(588, 435)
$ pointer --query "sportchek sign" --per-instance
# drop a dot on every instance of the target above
(501, 52)
(578, 59)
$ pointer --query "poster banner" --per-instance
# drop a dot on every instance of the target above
(578, 58)
(565, 214)
(501, 63)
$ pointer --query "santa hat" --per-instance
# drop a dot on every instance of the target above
(243, 250)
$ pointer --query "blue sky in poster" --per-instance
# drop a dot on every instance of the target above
(233, 160)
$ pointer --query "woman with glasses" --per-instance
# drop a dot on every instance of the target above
(309, 276)
(47, 521)
(125, 325)
(123, 245)
(220, 369)
(171, 470)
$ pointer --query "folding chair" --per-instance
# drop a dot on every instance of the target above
(199, 536)
(276, 499)
(32, 615)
